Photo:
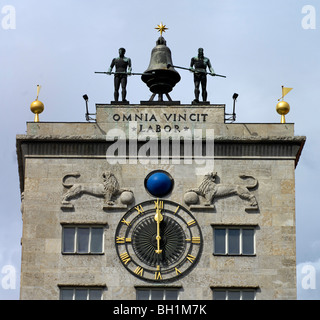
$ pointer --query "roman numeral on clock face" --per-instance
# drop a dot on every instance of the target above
(125, 258)
(139, 209)
(190, 258)
(139, 271)
(195, 240)
(122, 240)
(191, 223)
(125, 222)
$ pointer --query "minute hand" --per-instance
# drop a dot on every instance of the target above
(158, 217)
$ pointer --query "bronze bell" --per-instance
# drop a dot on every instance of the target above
(159, 78)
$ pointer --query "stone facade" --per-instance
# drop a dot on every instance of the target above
(50, 151)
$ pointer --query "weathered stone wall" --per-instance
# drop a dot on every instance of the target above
(44, 268)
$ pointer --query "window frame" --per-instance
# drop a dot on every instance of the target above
(226, 239)
(164, 289)
(235, 289)
(75, 239)
(87, 288)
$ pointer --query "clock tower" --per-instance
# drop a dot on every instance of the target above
(158, 200)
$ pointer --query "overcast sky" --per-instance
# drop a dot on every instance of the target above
(258, 45)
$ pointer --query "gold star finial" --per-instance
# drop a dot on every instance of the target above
(161, 28)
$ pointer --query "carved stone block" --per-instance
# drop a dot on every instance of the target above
(208, 190)
(114, 196)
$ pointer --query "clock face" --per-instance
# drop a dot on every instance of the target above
(158, 241)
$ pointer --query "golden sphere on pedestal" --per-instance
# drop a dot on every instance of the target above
(283, 108)
(36, 107)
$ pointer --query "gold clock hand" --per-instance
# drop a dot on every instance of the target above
(158, 217)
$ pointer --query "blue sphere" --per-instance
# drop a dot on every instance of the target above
(159, 184)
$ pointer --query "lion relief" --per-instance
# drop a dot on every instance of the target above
(109, 189)
(210, 190)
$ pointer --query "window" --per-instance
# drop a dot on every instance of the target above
(82, 239)
(234, 241)
(80, 293)
(234, 294)
(157, 294)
